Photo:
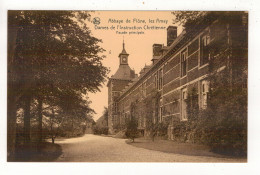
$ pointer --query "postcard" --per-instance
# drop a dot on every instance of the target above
(127, 86)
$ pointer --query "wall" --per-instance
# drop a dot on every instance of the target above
(172, 81)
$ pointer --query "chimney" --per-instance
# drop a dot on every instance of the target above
(171, 34)
(157, 52)
(141, 72)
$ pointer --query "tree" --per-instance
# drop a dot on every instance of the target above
(101, 125)
(187, 17)
(53, 121)
(132, 123)
(131, 130)
(151, 103)
(49, 53)
(70, 116)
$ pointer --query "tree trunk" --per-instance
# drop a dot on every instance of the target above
(27, 117)
(11, 97)
(52, 140)
(11, 127)
(39, 119)
(39, 132)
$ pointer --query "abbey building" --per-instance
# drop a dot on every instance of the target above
(159, 93)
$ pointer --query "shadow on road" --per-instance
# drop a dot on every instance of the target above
(168, 146)
(43, 152)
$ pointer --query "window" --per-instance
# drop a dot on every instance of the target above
(160, 110)
(144, 89)
(155, 80)
(184, 104)
(115, 94)
(184, 63)
(204, 93)
(160, 79)
(115, 108)
(160, 114)
(204, 49)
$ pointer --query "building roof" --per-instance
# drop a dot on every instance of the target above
(124, 51)
(124, 72)
(170, 51)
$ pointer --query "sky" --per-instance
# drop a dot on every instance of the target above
(138, 46)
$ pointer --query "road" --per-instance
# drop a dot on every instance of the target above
(92, 148)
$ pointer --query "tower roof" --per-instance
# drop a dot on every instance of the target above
(123, 51)
(124, 72)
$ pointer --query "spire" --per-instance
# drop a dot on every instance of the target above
(123, 51)
(123, 43)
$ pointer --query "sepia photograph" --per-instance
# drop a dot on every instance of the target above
(127, 86)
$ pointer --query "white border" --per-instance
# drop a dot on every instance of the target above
(140, 168)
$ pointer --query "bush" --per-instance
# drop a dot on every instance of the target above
(162, 129)
(225, 129)
(132, 131)
(100, 130)
(179, 130)
(222, 126)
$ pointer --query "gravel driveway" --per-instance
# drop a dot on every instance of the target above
(92, 148)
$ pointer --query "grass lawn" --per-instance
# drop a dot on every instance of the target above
(169, 146)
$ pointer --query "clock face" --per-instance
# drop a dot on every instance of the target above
(124, 60)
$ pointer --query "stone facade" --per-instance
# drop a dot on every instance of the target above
(177, 68)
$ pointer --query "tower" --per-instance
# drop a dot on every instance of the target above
(123, 56)
(117, 82)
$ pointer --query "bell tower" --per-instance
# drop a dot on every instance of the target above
(116, 84)
(123, 56)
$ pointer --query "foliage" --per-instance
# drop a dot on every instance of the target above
(227, 106)
(53, 50)
(100, 130)
(227, 131)
(131, 130)
(119, 126)
(132, 123)
(53, 58)
(185, 17)
(194, 21)
(189, 131)
(158, 129)
(151, 103)
(53, 120)
(67, 118)
(162, 128)
(101, 125)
